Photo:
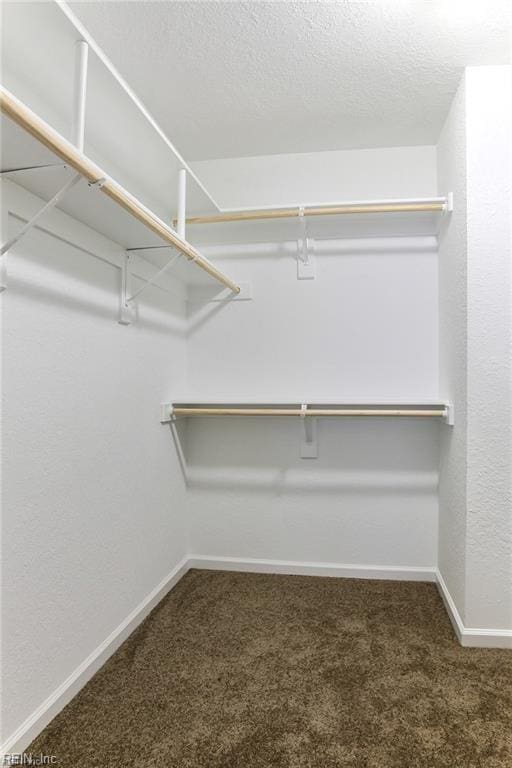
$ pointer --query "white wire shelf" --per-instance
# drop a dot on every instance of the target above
(114, 195)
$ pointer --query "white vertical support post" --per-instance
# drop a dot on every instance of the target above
(182, 203)
(79, 96)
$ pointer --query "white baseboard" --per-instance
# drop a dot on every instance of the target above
(299, 568)
(450, 606)
(470, 637)
(39, 719)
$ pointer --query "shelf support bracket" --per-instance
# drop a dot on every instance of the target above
(33, 221)
(306, 267)
(44, 167)
(309, 443)
(153, 280)
(449, 416)
(166, 413)
(127, 311)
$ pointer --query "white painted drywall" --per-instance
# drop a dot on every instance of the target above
(321, 177)
(369, 499)
(475, 530)
(489, 488)
(365, 328)
(93, 498)
(453, 351)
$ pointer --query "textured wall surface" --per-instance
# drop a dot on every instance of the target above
(475, 299)
(92, 494)
(370, 498)
(453, 350)
(489, 510)
(366, 328)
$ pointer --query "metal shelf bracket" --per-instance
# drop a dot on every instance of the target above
(33, 221)
(153, 280)
(449, 417)
(127, 310)
(166, 413)
(309, 442)
(98, 184)
(306, 267)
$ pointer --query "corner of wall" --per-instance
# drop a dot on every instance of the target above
(451, 171)
(475, 309)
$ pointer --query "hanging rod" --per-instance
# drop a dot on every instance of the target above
(308, 412)
(433, 205)
(50, 138)
(181, 410)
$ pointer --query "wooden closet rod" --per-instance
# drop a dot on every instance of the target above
(46, 135)
(321, 210)
(220, 411)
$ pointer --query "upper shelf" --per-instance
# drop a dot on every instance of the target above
(68, 154)
(347, 220)
(355, 219)
(38, 42)
(39, 69)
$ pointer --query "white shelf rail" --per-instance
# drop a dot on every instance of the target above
(95, 176)
(307, 413)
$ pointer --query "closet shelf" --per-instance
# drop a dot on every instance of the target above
(341, 220)
(31, 123)
(171, 411)
(420, 205)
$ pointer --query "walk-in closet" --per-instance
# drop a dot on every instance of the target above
(256, 293)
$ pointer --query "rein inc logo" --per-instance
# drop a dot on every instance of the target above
(27, 758)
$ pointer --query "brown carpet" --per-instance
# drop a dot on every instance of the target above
(239, 670)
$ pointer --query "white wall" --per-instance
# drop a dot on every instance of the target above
(453, 350)
(475, 533)
(315, 177)
(489, 499)
(93, 497)
(369, 499)
(365, 328)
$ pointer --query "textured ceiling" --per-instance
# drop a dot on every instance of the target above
(231, 79)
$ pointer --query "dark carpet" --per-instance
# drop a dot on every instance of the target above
(239, 670)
